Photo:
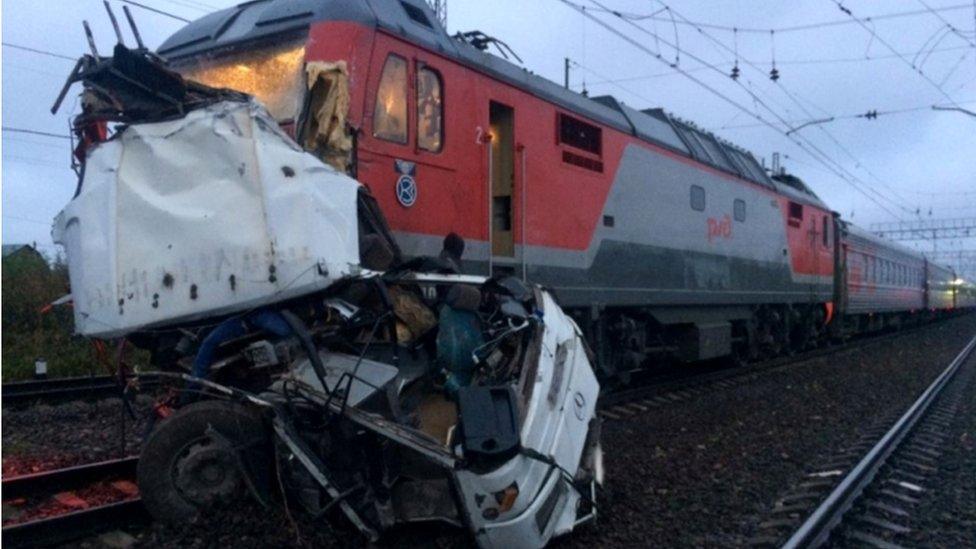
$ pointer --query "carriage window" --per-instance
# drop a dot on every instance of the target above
(826, 232)
(390, 113)
(697, 198)
(430, 110)
(739, 209)
(579, 134)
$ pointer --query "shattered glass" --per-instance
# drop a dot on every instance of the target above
(274, 76)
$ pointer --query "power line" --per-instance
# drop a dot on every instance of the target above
(42, 52)
(27, 219)
(34, 161)
(869, 115)
(810, 148)
(193, 5)
(947, 24)
(893, 50)
(33, 143)
(35, 132)
(794, 28)
(796, 101)
(819, 156)
(155, 10)
(813, 61)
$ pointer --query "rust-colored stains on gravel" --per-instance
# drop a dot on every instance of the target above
(703, 472)
(43, 437)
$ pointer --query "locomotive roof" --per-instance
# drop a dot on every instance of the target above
(269, 20)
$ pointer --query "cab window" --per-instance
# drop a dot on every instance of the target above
(390, 113)
(430, 110)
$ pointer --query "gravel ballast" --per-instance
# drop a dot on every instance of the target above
(45, 437)
(946, 515)
(702, 472)
(705, 472)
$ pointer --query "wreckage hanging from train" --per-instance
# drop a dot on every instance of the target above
(378, 392)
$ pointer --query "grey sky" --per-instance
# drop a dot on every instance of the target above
(922, 159)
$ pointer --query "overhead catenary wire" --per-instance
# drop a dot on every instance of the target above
(868, 114)
(947, 23)
(12, 129)
(782, 62)
(796, 28)
(809, 148)
(27, 219)
(193, 4)
(892, 49)
(155, 10)
(774, 76)
(806, 145)
(39, 51)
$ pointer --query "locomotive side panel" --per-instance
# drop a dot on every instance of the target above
(671, 233)
(620, 229)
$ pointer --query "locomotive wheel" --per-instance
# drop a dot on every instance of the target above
(195, 458)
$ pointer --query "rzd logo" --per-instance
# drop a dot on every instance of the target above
(720, 228)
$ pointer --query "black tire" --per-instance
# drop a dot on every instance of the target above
(232, 432)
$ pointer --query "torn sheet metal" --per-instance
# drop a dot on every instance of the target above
(215, 212)
(326, 132)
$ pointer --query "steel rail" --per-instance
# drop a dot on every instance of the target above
(18, 393)
(669, 383)
(77, 524)
(820, 524)
(68, 478)
(71, 526)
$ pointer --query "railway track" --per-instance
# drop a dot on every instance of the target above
(664, 390)
(54, 507)
(48, 391)
(870, 506)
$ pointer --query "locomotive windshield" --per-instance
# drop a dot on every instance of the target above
(273, 75)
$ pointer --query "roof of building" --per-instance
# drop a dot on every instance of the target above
(10, 249)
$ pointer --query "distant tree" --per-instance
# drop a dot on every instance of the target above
(30, 330)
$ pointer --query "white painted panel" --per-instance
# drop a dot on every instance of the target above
(212, 213)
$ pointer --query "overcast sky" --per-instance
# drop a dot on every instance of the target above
(918, 160)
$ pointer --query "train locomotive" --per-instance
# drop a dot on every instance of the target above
(663, 240)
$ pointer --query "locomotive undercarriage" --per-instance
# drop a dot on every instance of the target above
(628, 340)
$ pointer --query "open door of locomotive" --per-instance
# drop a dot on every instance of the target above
(503, 212)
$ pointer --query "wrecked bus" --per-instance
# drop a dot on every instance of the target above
(315, 366)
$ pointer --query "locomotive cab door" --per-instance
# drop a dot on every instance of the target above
(501, 206)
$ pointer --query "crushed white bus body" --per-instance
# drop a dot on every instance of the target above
(215, 212)
(374, 391)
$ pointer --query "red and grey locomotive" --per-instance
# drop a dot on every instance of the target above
(662, 239)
